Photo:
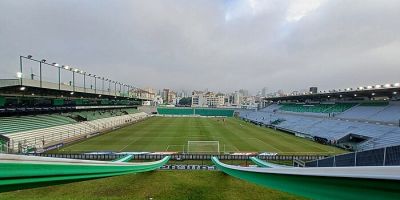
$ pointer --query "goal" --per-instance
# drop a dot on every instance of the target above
(203, 147)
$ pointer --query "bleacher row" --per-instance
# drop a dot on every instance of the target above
(379, 126)
(317, 108)
(386, 113)
(99, 114)
(26, 123)
(63, 133)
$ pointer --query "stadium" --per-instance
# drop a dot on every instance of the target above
(99, 129)
(56, 134)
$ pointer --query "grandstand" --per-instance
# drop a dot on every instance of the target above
(36, 115)
(26, 123)
(349, 123)
(59, 130)
(316, 108)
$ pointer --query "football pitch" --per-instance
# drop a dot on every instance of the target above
(160, 134)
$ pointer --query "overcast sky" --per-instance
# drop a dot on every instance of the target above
(219, 45)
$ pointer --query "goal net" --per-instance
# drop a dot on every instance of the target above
(203, 147)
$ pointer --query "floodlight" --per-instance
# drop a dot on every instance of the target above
(29, 56)
(55, 64)
(43, 60)
(387, 85)
(377, 86)
(19, 74)
(369, 87)
(65, 67)
(75, 70)
(397, 84)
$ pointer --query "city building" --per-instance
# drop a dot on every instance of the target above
(207, 99)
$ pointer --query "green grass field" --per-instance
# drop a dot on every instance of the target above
(159, 185)
(172, 134)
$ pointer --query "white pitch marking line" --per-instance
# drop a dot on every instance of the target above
(265, 143)
(129, 144)
(237, 150)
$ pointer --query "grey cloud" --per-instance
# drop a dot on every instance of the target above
(189, 44)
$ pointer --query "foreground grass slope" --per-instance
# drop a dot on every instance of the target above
(172, 134)
(156, 185)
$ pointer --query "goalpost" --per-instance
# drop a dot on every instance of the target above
(203, 147)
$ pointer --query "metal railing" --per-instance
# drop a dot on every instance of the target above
(387, 156)
(112, 156)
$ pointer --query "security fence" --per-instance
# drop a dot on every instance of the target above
(387, 156)
(111, 156)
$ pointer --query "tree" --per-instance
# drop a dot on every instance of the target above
(187, 101)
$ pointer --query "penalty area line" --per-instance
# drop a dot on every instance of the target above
(265, 144)
(129, 144)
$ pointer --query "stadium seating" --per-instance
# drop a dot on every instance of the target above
(316, 108)
(99, 114)
(271, 108)
(25, 123)
(59, 134)
(389, 113)
(377, 134)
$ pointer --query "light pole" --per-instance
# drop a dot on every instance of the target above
(66, 67)
(122, 87)
(102, 90)
(59, 74)
(40, 72)
(20, 69)
(109, 87)
(95, 84)
(73, 79)
(84, 81)
(20, 73)
(115, 88)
